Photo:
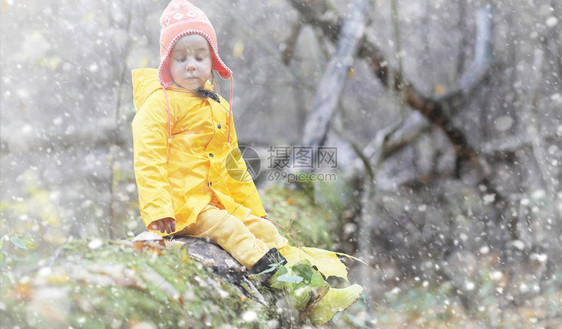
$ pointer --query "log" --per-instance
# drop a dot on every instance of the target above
(201, 250)
(211, 255)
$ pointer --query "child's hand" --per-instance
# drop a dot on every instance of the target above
(167, 225)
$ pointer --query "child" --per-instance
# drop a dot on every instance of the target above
(184, 142)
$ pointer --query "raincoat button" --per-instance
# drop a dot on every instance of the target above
(219, 126)
(211, 155)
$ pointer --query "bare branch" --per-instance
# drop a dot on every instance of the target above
(291, 43)
(483, 51)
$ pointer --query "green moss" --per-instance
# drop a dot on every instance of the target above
(310, 223)
(107, 287)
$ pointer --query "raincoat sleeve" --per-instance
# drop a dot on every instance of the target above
(150, 144)
(243, 190)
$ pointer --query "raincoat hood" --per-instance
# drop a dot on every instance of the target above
(145, 82)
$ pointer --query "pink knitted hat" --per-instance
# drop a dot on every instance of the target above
(179, 19)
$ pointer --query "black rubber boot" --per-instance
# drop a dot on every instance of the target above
(273, 256)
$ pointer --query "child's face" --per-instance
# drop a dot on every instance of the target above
(190, 64)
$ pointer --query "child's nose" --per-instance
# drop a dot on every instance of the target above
(190, 65)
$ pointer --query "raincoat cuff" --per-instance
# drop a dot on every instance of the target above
(148, 220)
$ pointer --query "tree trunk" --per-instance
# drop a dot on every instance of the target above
(331, 85)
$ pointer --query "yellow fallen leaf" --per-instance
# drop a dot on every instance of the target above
(238, 49)
(351, 257)
(440, 89)
(326, 261)
(58, 279)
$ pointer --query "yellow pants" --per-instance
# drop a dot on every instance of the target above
(246, 239)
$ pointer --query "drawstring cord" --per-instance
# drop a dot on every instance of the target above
(169, 117)
(230, 109)
(286, 230)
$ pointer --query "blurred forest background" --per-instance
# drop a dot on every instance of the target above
(446, 119)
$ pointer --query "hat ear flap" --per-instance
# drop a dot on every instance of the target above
(164, 72)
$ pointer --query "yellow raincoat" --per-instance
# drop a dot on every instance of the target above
(178, 179)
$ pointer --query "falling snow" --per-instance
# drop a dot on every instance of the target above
(465, 209)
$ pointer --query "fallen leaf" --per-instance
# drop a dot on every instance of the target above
(148, 246)
(18, 242)
(238, 49)
(351, 257)
(291, 278)
(440, 89)
(23, 291)
(326, 261)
